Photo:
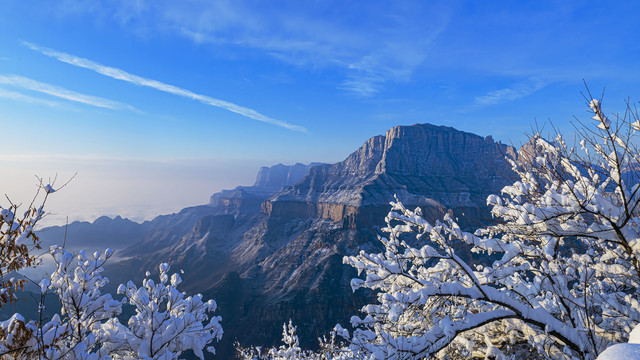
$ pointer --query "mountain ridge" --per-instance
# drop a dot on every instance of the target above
(400, 163)
(267, 256)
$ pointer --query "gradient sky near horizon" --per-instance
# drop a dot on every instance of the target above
(158, 104)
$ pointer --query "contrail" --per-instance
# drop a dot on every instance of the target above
(30, 84)
(141, 81)
(7, 94)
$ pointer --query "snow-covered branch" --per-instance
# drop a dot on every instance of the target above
(18, 240)
(562, 268)
(166, 322)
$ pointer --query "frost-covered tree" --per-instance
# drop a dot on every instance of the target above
(166, 321)
(562, 268)
(165, 324)
(17, 242)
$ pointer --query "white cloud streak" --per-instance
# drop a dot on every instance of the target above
(33, 85)
(13, 95)
(160, 86)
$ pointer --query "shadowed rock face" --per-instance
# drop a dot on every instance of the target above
(435, 167)
(273, 251)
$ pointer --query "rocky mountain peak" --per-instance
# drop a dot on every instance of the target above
(436, 166)
(363, 162)
(431, 150)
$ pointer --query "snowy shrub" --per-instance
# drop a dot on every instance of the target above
(566, 246)
(330, 349)
(165, 324)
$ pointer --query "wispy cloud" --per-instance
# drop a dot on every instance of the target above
(393, 61)
(369, 46)
(362, 85)
(33, 85)
(371, 53)
(512, 93)
(160, 86)
(13, 95)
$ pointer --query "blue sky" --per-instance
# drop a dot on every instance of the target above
(158, 104)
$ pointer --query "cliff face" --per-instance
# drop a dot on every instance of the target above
(273, 251)
(435, 167)
(429, 150)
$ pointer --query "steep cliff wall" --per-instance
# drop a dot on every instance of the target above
(435, 167)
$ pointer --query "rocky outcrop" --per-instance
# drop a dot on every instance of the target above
(435, 167)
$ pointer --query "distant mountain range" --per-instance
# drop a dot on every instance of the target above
(273, 251)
